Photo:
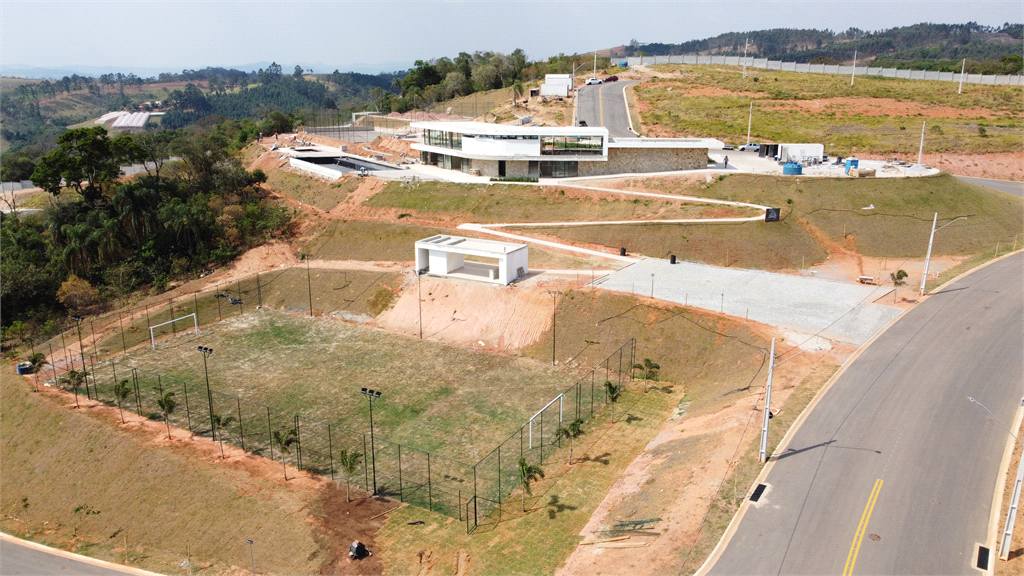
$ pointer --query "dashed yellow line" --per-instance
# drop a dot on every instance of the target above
(858, 536)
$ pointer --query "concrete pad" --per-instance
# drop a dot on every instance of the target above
(835, 310)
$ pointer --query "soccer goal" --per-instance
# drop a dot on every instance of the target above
(558, 399)
(195, 325)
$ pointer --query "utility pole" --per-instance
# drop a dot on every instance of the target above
(1011, 514)
(595, 65)
(744, 58)
(920, 150)
(763, 455)
(419, 299)
(554, 298)
(962, 68)
(854, 67)
(750, 119)
(931, 239)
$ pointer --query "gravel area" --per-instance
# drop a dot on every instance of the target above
(835, 310)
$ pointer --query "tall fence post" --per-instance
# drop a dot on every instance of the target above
(188, 411)
(241, 429)
(298, 443)
(430, 492)
(499, 474)
(401, 494)
(270, 434)
(476, 521)
(366, 472)
(120, 325)
(259, 292)
(330, 450)
(138, 396)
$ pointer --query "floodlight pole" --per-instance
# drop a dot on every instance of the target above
(419, 300)
(371, 396)
(854, 74)
(1011, 514)
(931, 240)
(962, 68)
(750, 119)
(209, 395)
(920, 150)
(763, 454)
(744, 58)
(554, 296)
(252, 561)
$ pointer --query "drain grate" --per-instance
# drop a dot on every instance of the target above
(757, 493)
(983, 554)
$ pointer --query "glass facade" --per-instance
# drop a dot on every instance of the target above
(443, 139)
(559, 169)
(571, 145)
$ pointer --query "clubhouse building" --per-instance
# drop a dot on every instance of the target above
(499, 150)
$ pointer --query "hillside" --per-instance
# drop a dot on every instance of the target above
(989, 50)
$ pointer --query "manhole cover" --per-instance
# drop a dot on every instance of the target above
(874, 537)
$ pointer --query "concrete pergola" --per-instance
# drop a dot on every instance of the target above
(444, 255)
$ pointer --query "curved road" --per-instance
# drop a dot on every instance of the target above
(605, 105)
(19, 557)
(894, 470)
(1008, 186)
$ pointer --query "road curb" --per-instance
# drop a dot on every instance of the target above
(76, 557)
(733, 526)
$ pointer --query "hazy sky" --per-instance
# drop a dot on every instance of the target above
(172, 35)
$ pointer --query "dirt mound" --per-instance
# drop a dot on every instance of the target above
(342, 522)
(418, 115)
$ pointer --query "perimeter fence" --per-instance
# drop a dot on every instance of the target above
(469, 492)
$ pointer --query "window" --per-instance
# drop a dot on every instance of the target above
(559, 169)
(443, 139)
(571, 145)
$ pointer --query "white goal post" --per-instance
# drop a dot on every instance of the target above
(195, 325)
(557, 399)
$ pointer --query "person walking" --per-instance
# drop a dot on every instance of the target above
(727, 162)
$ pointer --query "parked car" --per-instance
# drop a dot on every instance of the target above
(751, 146)
(728, 147)
(581, 123)
(612, 78)
(592, 81)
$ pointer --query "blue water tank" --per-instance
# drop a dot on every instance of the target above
(792, 169)
(851, 163)
(623, 64)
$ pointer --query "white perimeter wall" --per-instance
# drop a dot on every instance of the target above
(445, 262)
(314, 169)
(800, 151)
(554, 90)
(508, 270)
(492, 147)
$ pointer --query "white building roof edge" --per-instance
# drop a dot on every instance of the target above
(463, 245)
(507, 130)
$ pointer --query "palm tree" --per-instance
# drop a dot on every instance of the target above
(898, 279)
(517, 92)
(167, 404)
(528, 473)
(650, 370)
(284, 442)
(613, 391)
(574, 429)
(349, 462)
(219, 424)
(122, 390)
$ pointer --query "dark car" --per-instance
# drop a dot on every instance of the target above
(611, 79)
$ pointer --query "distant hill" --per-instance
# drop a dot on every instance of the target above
(1000, 46)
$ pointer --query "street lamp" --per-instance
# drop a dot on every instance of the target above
(81, 349)
(554, 296)
(763, 453)
(1011, 514)
(928, 258)
(372, 395)
(206, 352)
(251, 560)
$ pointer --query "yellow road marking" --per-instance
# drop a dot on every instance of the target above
(600, 103)
(858, 536)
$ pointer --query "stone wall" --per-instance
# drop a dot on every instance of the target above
(513, 168)
(640, 160)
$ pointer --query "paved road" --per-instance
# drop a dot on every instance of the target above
(896, 429)
(16, 559)
(1008, 186)
(605, 105)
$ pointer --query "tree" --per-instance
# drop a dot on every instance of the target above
(122, 390)
(77, 294)
(285, 441)
(349, 462)
(167, 404)
(528, 473)
(75, 379)
(574, 429)
(613, 391)
(83, 160)
(898, 279)
(517, 92)
(219, 424)
(650, 371)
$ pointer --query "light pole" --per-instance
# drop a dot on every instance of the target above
(372, 395)
(931, 239)
(419, 300)
(554, 297)
(206, 352)
(1011, 514)
(81, 350)
(750, 120)
(251, 560)
(763, 454)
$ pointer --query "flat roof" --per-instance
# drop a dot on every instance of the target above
(505, 129)
(664, 143)
(463, 245)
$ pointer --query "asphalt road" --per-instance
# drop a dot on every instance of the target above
(605, 105)
(16, 560)
(1008, 186)
(896, 444)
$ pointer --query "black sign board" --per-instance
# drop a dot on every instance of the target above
(772, 214)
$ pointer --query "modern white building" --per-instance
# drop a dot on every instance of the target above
(557, 85)
(499, 150)
(444, 255)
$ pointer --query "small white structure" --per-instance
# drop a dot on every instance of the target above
(444, 255)
(556, 85)
(798, 152)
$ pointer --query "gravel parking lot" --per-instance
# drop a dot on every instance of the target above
(835, 310)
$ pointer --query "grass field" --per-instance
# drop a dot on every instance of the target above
(455, 402)
(157, 500)
(517, 203)
(318, 192)
(898, 226)
(714, 102)
(371, 241)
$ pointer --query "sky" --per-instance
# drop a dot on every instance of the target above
(150, 36)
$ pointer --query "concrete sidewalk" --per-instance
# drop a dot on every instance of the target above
(835, 310)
